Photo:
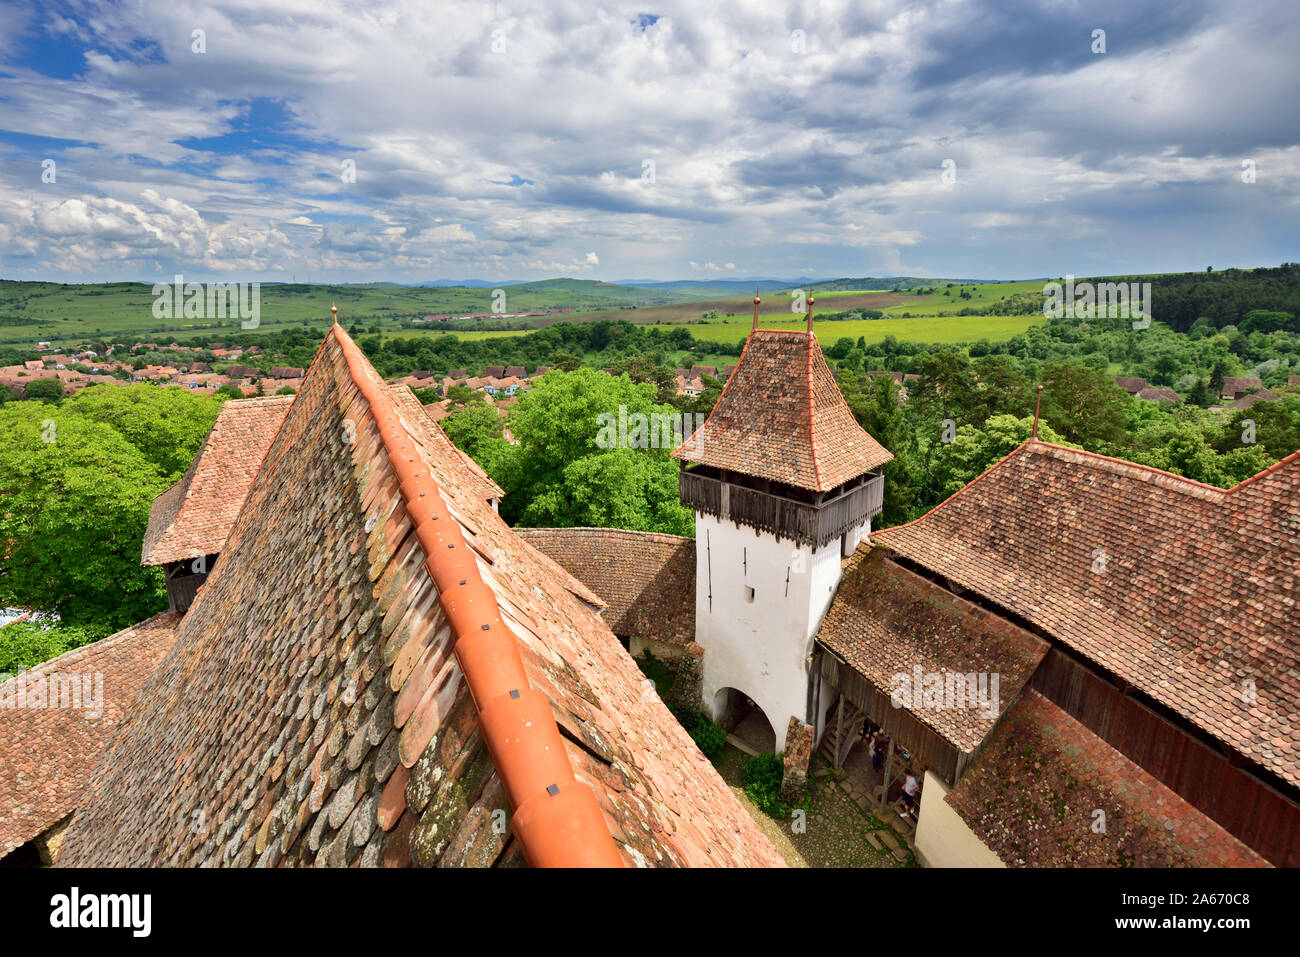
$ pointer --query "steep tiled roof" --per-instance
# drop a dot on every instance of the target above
(313, 708)
(886, 621)
(1131, 384)
(47, 754)
(1248, 401)
(1186, 591)
(782, 417)
(1158, 393)
(1033, 792)
(646, 579)
(1243, 383)
(195, 515)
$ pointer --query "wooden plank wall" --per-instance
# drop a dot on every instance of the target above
(1257, 814)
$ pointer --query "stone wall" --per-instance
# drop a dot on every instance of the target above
(798, 753)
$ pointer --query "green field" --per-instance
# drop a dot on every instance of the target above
(68, 314)
(31, 311)
(930, 329)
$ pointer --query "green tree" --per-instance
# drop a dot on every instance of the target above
(875, 404)
(45, 390)
(973, 450)
(477, 430)
(166, 425)
(76, 500)
(563, 467)
(1085, 405)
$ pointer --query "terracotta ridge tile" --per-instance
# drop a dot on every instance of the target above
(556, 818)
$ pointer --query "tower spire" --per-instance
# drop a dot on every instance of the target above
(756, 302)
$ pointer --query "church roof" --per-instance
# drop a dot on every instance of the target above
(781, 417)
(886, 621)
(1185, 591)
(48, 754)
(194, 516)
(316, 705)
(646, 579)
(1033, 793)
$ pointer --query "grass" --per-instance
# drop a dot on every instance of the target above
(932, 329)
(67, 314)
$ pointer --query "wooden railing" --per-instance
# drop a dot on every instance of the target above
(814, 524)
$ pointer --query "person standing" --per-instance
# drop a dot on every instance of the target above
(910, 787)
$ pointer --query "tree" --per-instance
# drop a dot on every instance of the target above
(875, 404)
(463, 395)
(622, 488)
(476, 428)
(286, 390)
(564, 420)
(229, 392)
(566, 361)
(46, 390)
(973, 450)
(76, 499)
(166, 425)
(1086, 406)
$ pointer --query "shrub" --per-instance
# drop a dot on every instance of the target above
(25, 644)
(708, 737)
(761, 778)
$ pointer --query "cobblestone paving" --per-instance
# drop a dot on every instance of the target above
(838, 833)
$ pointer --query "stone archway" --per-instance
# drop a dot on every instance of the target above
(742, 718)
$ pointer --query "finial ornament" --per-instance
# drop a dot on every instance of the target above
(335, 309)
(1037, 405)
(756, 302)
(811, 300)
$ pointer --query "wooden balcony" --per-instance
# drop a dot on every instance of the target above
(815, 521)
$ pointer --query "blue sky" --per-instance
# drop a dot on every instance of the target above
(409, 141)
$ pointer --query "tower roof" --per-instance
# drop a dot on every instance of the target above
(781, 417)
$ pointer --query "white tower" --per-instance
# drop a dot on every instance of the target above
(783, 482)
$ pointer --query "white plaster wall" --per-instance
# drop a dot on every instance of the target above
(760, 648)
(942, 837)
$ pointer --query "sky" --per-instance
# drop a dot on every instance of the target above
(309, 140)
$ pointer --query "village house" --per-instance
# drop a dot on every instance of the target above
(1235, 387)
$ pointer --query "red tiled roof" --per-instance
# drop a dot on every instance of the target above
(1186, 591)
(1033, 792)
(1158, 393)
(886, 621)
(782, 417)
(646, 579)
(48, 754)
(1248, 401)
(1131, 384)
(313, 708)
(1241, 383)
(195, 515)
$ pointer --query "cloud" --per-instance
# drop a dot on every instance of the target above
(511, 140)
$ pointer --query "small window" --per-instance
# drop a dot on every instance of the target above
(749, 593)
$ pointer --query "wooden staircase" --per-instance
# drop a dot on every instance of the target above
(842, 732)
